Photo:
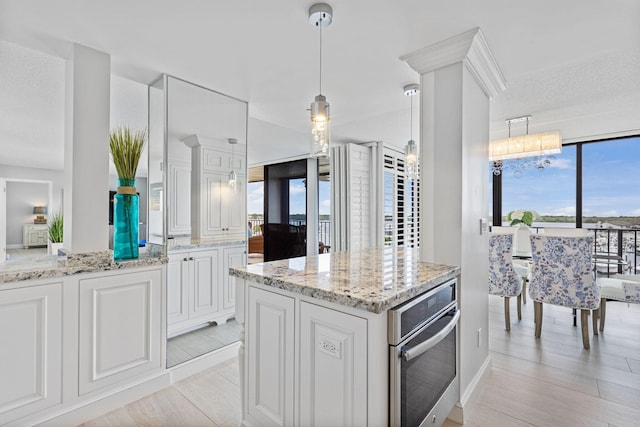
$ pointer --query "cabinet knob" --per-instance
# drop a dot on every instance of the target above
(186, 259)
(191, 258)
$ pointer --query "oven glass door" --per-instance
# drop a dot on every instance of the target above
(430, 370)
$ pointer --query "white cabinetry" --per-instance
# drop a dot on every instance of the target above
(217, 211)
(35, 235)
(104, 331)
(179, 203)
(31, 350)
(270, 361)
(198, 287)
(233, 257)
(120, 328)
(334, 369)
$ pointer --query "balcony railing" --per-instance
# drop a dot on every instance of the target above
(324, 229)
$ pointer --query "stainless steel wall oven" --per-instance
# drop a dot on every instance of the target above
(423, 358)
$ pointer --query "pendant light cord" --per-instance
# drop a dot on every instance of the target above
(411, 103)
(320, 56)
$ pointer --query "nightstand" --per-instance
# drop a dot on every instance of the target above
(35, 235)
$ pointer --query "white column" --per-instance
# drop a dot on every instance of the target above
(86, 204)
(458, 78)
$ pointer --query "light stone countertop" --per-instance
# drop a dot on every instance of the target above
(44, 267)
(374, 279)
(186, 243)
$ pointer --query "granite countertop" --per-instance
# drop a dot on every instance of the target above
(76, 263)
(185, 243)
(374, 279)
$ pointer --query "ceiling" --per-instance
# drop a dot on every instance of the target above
(572, 64)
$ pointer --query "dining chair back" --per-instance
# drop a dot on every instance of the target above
(563, 275)
(503, 279)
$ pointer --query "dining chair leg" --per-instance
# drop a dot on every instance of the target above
(524, 290)
(519, 301)
(596, 314)
(537, 314)
(584, 319)
(603, 312)
(507, 319)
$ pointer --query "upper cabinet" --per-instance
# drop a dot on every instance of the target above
(218, 184)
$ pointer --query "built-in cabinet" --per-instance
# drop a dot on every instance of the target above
(35, 235)
(31, 350)
(218, 209)
(199, 288)
(72, 341)
(328, 385)
(119, 328)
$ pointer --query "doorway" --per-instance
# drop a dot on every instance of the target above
(285, 209)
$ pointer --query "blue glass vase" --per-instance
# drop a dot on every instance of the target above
(125, 220)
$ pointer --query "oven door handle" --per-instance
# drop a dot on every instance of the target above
(416, 351)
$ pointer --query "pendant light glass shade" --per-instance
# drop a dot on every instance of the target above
(233, 179)
(320, 127)
(411, 160)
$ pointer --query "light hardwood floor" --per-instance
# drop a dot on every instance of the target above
(548, 382)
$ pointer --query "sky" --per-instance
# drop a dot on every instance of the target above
(610, 176)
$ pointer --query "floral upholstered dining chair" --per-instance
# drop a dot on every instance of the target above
(503, 279)
(620, 287)
(563, 275)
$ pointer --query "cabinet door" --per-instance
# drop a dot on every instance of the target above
(333, 367)
(270, 358)
(179, 189)
(214, 217)
(203, 295)
(177, 289)
(31, 350)
(235, 217)
(120, 331)
(233, 257)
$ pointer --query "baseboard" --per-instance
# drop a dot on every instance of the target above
(16, 246)
(462, 409)
(86, 410)
(206, 361)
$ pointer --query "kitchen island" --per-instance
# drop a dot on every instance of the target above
(315, 348)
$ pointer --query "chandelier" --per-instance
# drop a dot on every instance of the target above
(517, 153)
(411, 150)
(320, 15)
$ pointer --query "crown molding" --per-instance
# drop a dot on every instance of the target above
(470, 48)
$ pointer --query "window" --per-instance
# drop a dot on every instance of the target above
(551, 191)
(401, 201)
(589, 184)
(609, 174)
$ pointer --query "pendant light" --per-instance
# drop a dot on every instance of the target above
(233, 179)
(320, 15)
(411, 150)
